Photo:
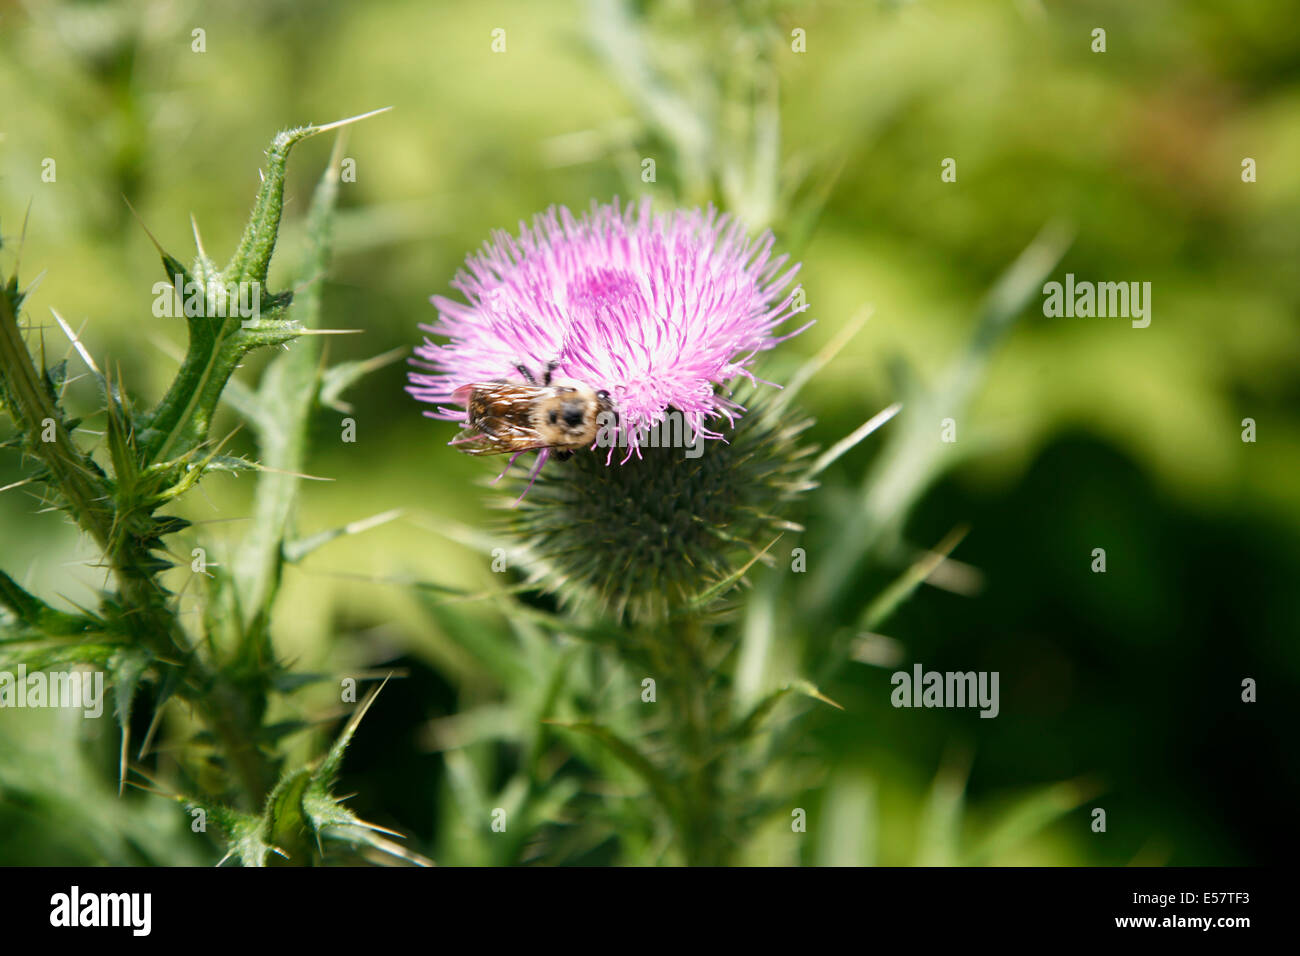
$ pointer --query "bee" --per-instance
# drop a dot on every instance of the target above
(556, 414)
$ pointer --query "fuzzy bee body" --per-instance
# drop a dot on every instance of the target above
(506, 417)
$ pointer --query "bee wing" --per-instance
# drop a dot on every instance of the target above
(473, 441)
(508, 394)
(487, 397)
(500, 418)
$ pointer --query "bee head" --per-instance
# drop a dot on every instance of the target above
(569, 415)
(574, 413)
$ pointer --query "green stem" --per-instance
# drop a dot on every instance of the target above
(81, 482)
(704, 837)
(224, 707)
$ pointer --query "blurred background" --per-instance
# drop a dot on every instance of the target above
(1119, 690)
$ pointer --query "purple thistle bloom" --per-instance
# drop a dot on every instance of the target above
(654, 309)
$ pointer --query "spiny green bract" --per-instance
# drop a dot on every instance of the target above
(643, 540)
(302, 813)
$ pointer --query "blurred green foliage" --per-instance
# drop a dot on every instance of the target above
(1119, 690)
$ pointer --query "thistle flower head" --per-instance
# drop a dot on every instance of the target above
(666, 314)
(657, 310)
(665, 533)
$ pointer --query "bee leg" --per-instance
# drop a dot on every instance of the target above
(551, 366)
(562, 455)
(528, 376)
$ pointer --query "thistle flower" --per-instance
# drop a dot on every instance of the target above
(667, 314)
(656, 310)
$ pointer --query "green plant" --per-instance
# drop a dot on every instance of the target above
(641, 682)
(224, 667)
